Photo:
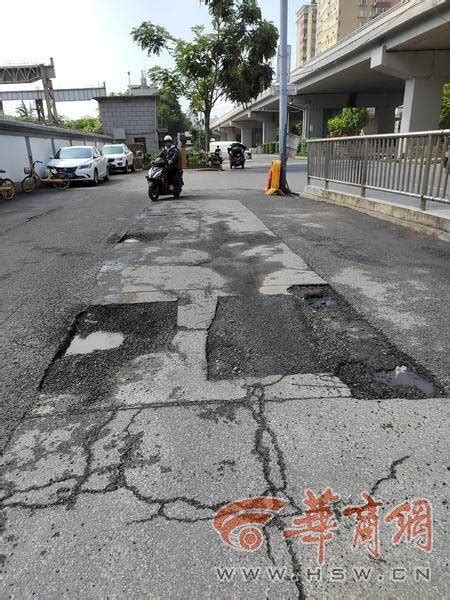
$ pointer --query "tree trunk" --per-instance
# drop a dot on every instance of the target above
(207, 126)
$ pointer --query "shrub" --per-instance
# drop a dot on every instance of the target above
(349, 121)
(302, 149)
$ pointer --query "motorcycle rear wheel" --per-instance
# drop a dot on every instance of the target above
(153, 191)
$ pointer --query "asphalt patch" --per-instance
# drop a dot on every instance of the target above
(258, 336)
(147, 327)
(313, 330)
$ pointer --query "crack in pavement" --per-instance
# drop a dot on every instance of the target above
(392, 473)
(263, 453)
(117, 482)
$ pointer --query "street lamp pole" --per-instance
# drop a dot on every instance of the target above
(284, 60)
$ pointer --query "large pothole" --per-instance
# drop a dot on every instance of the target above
(313, 330)
(101, 340)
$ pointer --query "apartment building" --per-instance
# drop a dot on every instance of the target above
(306, 32)
(335, 19)
(369, 9)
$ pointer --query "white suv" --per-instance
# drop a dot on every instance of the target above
(119, 157)
(81, 163)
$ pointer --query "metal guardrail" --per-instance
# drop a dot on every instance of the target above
(412, 164)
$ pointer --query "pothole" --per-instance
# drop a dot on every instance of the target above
(313, 331)
(133, 237)
(402, 376)
(101, 343)
(321, 301)
(99, 340)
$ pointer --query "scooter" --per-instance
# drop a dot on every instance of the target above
(158, 182)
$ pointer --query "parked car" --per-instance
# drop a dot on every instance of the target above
(81, 163)
(119, 157)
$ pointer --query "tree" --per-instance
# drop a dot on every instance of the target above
(349, 121)
(232, 62)
(445, 108)
(88, 124)
(170, 114)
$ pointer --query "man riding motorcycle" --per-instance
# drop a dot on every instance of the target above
(170, 153)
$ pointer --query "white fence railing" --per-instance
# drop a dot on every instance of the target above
(413, 164)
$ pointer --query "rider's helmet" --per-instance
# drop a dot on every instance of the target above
(168, 138)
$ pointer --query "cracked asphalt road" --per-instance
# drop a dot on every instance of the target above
(113, 495)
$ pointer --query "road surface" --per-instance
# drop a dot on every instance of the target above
(161, 362)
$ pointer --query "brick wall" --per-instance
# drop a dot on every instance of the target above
(135, 114)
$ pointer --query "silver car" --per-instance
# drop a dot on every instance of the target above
(119, 156)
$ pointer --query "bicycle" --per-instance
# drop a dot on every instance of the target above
(59, 181)
(7, 187)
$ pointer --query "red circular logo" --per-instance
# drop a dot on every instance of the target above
(250, 538)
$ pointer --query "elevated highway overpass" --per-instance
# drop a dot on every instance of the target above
(400, 58)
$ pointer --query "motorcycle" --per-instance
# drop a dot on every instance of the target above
(215, 160)
(158, 181)
(236, 154)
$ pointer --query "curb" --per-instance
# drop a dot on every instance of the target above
(411, 218)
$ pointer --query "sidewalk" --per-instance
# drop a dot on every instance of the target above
(213, 368)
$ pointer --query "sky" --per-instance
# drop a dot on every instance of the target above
(90, 41)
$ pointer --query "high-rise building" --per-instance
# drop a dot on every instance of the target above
(306, 32)
(338, 18)
(369, 9)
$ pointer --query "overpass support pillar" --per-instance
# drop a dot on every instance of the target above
(316, 123)
(385, 118)
(246, 136)
(269, 132)
(421, 104)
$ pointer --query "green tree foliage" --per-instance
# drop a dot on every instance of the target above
(445, 108)
(88, 124)
(232, 62)
(349, 121)
(170, 114)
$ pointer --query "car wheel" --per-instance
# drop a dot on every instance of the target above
(95, 180)
(125, 169)
(132, 168)
(106, 177)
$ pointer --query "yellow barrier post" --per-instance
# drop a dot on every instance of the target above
(273, 188)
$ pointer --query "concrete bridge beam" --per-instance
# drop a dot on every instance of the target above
(425, 73)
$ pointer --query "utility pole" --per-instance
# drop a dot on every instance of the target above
(284, 75)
